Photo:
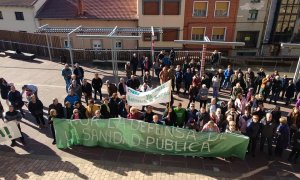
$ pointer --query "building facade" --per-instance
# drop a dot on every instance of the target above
(19, 15)
(282, 26)
(250, 24)
(165, 14)
(214, 18)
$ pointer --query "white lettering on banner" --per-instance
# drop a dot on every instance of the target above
(135, 138)
(169, 145)
(86, 133)
(9, 131)
(166, 139)
(149, 141)
(161, 94)
(205, 145)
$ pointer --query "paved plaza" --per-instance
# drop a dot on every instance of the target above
(39, 159)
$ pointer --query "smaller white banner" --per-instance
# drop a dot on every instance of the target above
(161, 94)
(8, 131)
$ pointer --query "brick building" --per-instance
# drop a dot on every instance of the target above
(215, 19)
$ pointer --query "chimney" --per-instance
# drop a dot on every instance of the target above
(80, 7)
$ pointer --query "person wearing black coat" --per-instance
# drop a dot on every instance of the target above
(276, 89)
(104, 109)
(13, 115)
(87, 90)
(122, 87)
(268, 129)
(134, 62)
(290, 91)
(97, 85)
(148, 115)
(133, 82)
(15, 99)
(253, 130)
(284, 85)
(35, 107)
(58, 107)
(4, 88)
(122, 107)
(79, 72)
(296, 148)
(169, 117)
(113, 105)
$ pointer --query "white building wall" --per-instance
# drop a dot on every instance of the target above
(10, 23)
(244, 24)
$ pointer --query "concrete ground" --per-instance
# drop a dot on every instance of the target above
(39, 159)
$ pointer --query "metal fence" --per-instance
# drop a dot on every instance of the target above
(88, 55)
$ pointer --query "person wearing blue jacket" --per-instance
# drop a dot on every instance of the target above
(72, 98)
(227, 74)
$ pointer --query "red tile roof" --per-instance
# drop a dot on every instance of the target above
(26, 3)
(94, 9)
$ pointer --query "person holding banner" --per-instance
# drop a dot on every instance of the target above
(181, 115)
(13, 115)
(169, 116)
(52, 115)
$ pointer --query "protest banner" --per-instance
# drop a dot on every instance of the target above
(9, 131)
(140, 136)
(161, 94)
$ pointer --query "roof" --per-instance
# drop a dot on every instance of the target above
(26, 3)
(94, 9)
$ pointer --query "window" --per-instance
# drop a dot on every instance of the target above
(151, 7)
(118, 44)
(200, 9)
(97, 44)
(19, 15)
(147, 37)
(66, 44)
(198, 33)
(170, 34)
(1, 16)
(171, 7)
(253, 14)
(222, 9)
(255, 1)
(218, 34)
(249, 37)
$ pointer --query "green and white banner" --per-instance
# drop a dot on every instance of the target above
(161, 94)
(140, 136)
(9, 131)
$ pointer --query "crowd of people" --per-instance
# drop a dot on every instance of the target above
(243, 112)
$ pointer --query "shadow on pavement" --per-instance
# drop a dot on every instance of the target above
(14, 164)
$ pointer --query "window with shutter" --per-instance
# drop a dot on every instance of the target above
(151, 7)
(200, 8)
(171, 7)
(170, 34)
(218, 34)
(222, 9)
(198, 33)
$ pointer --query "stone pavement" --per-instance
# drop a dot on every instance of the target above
(39, 159)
